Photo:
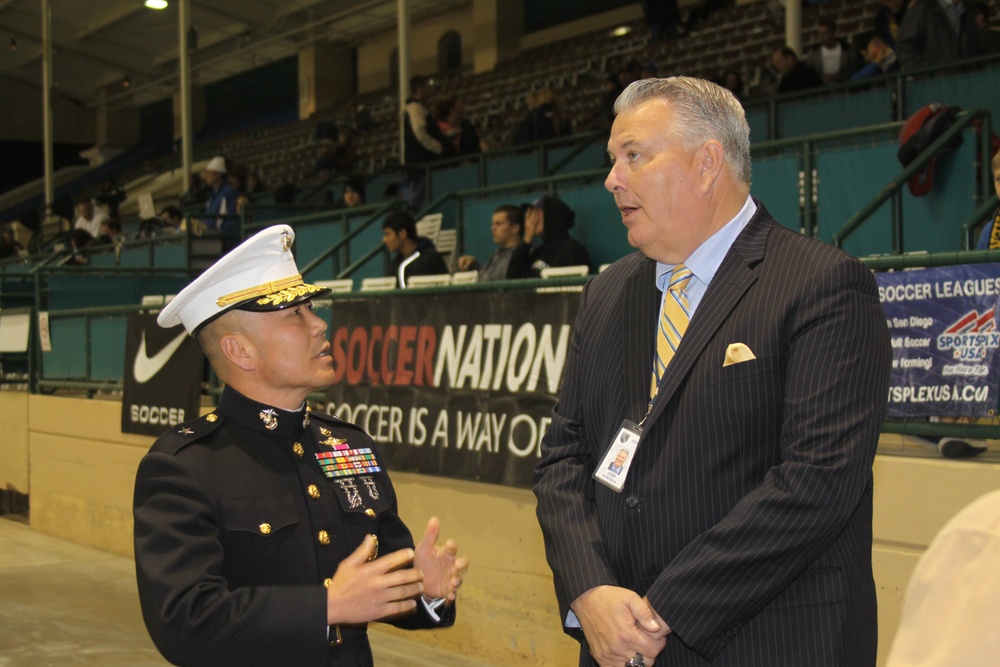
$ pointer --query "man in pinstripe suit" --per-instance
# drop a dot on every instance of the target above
(741, 534)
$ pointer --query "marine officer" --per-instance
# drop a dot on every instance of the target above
(266, 534)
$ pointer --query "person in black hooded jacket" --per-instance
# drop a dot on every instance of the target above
(550, 219)
(414, 255)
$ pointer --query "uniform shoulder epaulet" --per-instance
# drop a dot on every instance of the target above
(177, 437)
(327, 418)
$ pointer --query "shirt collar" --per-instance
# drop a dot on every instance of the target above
(707, 257)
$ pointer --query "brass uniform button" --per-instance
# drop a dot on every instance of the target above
(324, 537)
(265, 529)
(212, 417)
(298, 449)
(370, 512)
(313, 491)
(327, 582)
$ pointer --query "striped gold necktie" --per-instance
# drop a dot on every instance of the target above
(673, 323)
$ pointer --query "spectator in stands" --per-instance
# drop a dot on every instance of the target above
(422, 139)
(604, 115)
(663, 18)
(354, 192)
(9, 245)
(414, 255)
(78, 240)
(197, 194)
(879, 57)
(339, 157)
(543, 120)
(254, 184)
(701, 12)
(888, 18)
(222, 201)
(833, 58)
(732, 81)
(458, 131)
(793, 75)
(237, 182)
(548, 219)
(989, 35)
(990, 237)
(173, 220)
(953, 597)
(937, 32)
(507, 227)
(89, 219)
(361, 116)
(111, 232)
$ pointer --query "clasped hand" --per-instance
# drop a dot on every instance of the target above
(364, 590)
(618, 624)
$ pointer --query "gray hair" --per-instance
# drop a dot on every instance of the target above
(704, 111)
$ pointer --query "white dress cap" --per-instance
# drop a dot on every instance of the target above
(260, 274)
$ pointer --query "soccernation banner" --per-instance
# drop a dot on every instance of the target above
(460, 384)
(163, 372)
(943, 323)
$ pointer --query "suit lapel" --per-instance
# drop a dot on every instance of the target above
(641, 308)
(734, 277)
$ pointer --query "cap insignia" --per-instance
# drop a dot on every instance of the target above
(286, 241)
(287, 295)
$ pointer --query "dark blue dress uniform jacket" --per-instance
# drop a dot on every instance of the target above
(237, 528)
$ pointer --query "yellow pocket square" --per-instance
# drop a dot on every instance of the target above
(737, 353)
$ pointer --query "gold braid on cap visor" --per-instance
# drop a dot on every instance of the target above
(273, 293)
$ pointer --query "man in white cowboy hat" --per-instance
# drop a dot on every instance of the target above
(222, 201)
(266, 534)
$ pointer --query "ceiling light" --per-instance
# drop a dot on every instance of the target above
(156, 4)
(621, 31)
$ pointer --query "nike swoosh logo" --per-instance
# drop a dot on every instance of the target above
(146, 367)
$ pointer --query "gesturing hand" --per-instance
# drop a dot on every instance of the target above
(443, 568)
(363, 591)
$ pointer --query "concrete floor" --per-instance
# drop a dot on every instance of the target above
(67, 605)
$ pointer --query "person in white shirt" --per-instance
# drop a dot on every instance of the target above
(88, 218)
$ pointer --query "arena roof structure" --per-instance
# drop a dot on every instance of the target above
(122, 53)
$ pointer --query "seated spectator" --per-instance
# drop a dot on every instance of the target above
(197, 194)
(543, 120)
(414, 255)
(457, 129)
(793, 75)
(339, 157)
(833, 58)
(354, 193)
(254, 184)
(361, 117)
(888, 18)
(879, 57)
(989, 239)
(111, 232)
(89, 219)
(222, 201)
(550, 220)
(173, 220)
(732, 81)
(507, 227)
(663, 18)
(9, 245)
(989, 35)
(237, 182)
(78, 240)
(932, 35)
